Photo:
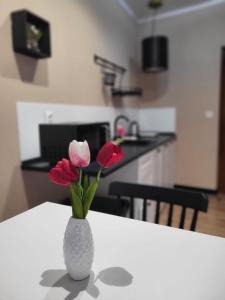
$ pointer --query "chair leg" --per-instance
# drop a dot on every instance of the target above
(132, 208)
(182, 218)
(194, 220)
(170, 216)
(144, 214)
(157, 213)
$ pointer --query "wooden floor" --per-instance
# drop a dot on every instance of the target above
(212, 222)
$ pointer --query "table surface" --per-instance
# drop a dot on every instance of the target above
(133, 260)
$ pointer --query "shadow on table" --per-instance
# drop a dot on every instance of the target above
(114, 276)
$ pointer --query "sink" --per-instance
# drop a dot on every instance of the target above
(137, 141)
(149, 134)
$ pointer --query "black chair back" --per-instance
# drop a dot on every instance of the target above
(186, 199)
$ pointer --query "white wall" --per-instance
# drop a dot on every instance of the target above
(192, 85)
(80, 29)
(158, 119)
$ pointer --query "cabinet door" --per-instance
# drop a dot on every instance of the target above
(146, 169)
(166, 165)
(147, 175)
(159, 166)
(172, 163)
(169, 165)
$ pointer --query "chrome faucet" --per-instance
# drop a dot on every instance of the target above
(131, 126)
(117, 119)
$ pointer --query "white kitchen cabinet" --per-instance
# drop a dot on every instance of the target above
(155, 168)
(172, 163)
(159, 166)
(165, 162)
(127, 173)
(147, 174)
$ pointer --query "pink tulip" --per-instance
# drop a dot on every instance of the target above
(79, 153)
(64, 173)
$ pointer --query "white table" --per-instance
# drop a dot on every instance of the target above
(133, 260)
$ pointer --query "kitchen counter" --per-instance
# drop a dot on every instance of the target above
(131, 152)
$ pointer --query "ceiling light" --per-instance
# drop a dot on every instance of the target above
(155, 48)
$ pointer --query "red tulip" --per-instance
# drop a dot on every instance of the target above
(64, 173)
(109, 155)
(120, 131)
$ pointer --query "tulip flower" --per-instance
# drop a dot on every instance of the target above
(64, 173)
(109, 155)
(121, 131)
(82, 190)
(79, 153)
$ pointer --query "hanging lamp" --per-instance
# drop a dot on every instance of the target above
(155, 50)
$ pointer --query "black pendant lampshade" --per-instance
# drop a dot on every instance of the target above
(155, 54)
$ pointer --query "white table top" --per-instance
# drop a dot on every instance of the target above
(133, 260)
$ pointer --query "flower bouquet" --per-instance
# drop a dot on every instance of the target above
(78, 241)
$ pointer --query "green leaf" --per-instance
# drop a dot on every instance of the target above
(86, 184)
(73, 203)
(79, 189)
(89, 195)
(77, 206)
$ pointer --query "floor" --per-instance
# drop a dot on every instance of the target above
(212, 222)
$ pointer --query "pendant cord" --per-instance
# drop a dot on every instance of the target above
(154, 20)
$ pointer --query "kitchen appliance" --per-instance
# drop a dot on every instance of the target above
(55, 138)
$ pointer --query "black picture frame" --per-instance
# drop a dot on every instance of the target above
(20, 20)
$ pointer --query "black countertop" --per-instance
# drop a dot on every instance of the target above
(131, 152)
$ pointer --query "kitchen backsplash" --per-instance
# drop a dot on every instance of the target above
(30, 114)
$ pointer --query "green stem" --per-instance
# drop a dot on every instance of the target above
(80, 183)
(72, 202)
(77, 206)
(80, 178)
(99, 174)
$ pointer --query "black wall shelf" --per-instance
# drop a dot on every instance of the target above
(31, 34)
(124, 92)
(104, 63)
(109, 79)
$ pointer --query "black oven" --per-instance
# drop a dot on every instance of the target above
(55, 138)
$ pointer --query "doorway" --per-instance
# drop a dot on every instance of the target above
(221, 161)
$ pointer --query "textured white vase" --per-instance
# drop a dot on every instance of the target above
(78, 248)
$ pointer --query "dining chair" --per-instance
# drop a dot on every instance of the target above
(186, 199)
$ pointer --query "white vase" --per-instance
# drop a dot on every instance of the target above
(78, 248)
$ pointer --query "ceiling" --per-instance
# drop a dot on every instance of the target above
(140, 11)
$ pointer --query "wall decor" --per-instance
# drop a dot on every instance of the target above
(31, 34)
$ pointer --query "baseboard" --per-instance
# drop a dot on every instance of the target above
(203, 190)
